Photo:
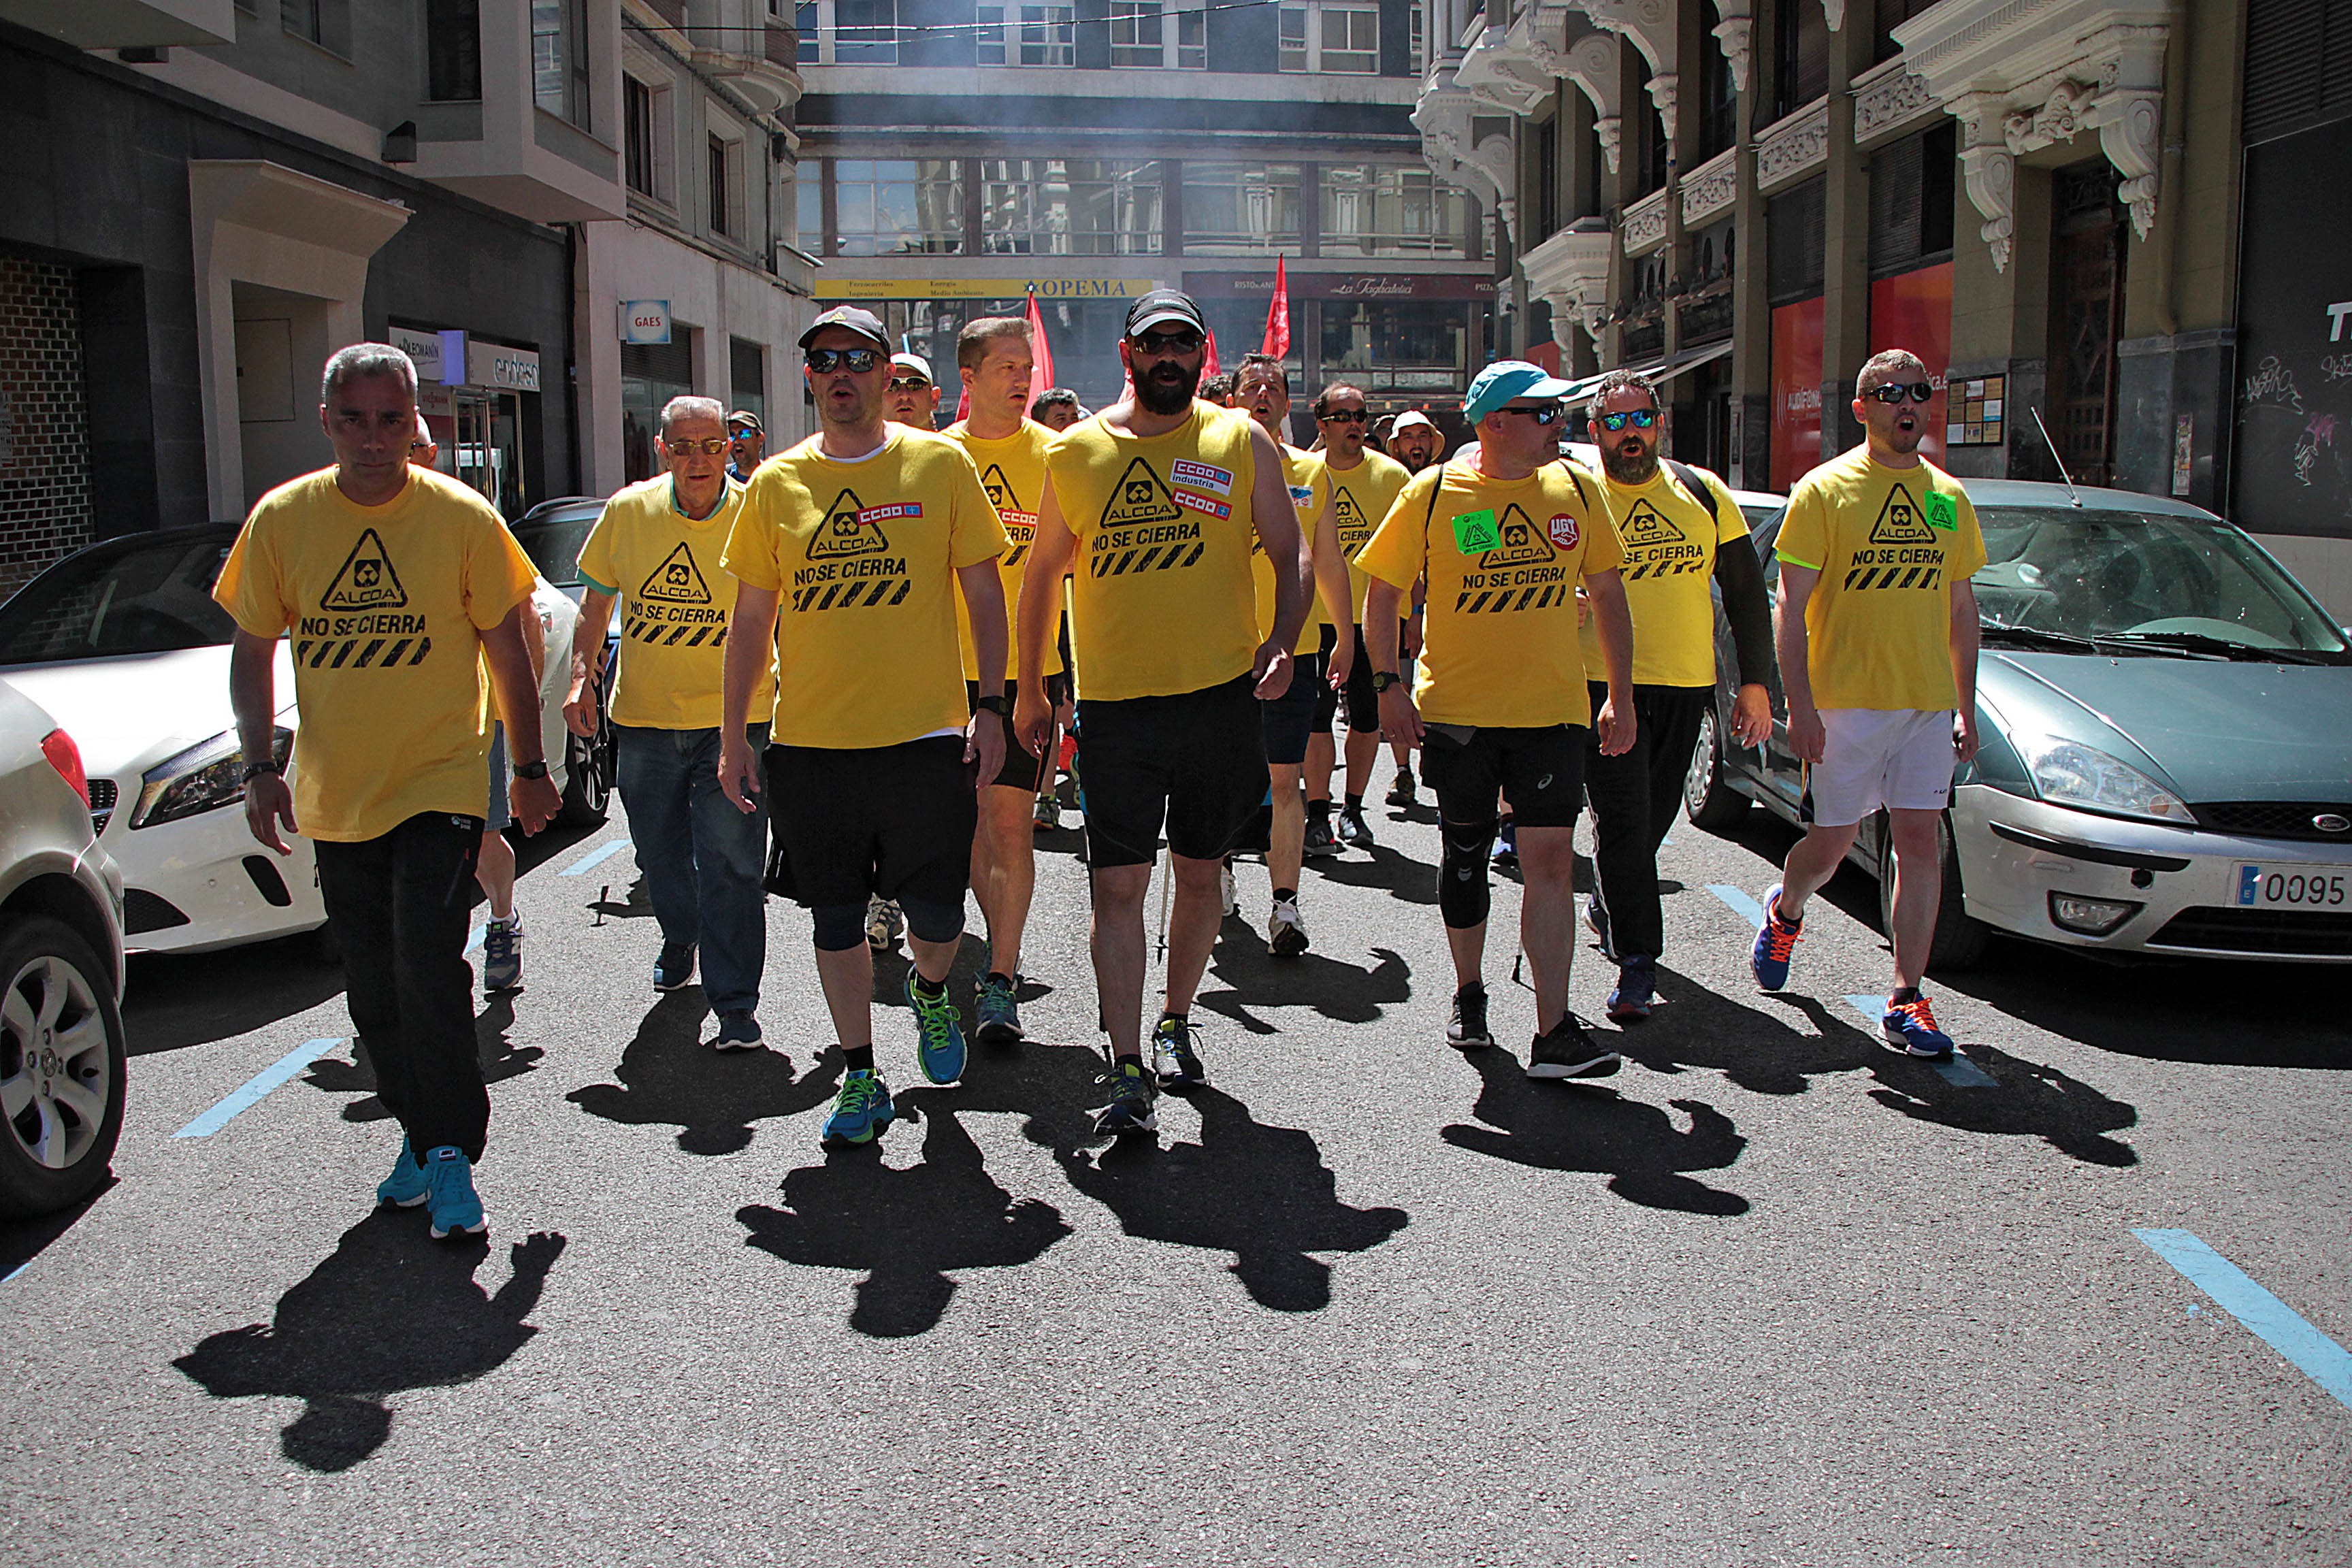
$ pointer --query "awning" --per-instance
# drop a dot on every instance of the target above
(1660, 370)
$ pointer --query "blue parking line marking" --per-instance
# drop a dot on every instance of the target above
(1739, 903)
(1959, 1072)
(2272, 1321)
(595, 856)
(474, 938)
(255, 1087)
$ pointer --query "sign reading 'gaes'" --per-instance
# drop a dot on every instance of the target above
(644, 320)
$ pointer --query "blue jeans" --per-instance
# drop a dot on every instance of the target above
(702, 858)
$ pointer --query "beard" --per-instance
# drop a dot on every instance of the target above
(1630, 471)
(1167, 388)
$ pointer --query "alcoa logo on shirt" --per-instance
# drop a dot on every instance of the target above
(1518, 567)
(673, 607)
(1905, 552)
(372, 632)
(850, 564)
(1143, 526)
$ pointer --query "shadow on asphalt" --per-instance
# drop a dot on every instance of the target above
(670, 1078)
(172, 999)
(23, 1241)
(633, 904)
(502, 1060)
(1400, 876)
(1343, 993)
(391, 1311)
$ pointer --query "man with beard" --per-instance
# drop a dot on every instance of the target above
(914, 397)
(1877, 637)
(1166, 499)
(1683, 535)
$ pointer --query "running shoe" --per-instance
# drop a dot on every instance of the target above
(674, 967)
(1286, 930)
(405, 1187)
(1176, 1053)
(999, 1015)
(1229, 893)
(502, 955)
(1131, 1094)
(938, 1038)
(1569, 1052)
(1354, 831)
(860, 1110)
(1400, 792)
(1506, 848)
(738, 1031)
(1636, 990)
(884, 923)
(1596, 920)
(1049, 813)
(1776, 939)
(449, 1194)
(1466, 1030)
(1320, 843)
(1910, 1028)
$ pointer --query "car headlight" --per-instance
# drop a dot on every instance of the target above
(202, 778)
(2068, 773)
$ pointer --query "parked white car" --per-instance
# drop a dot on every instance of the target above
(122, 642)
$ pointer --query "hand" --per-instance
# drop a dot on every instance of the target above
(267, 803)
(1400, 719)
(1751, 715)
(534, 803)
(739, 772)
(580, 711)
(1343, 659)
(1615, 726)
(1806, 736)
(1964, 734)
(1583, 609)
(1273, 668)
(983, 743)
(1033, 718)
(1411, 644)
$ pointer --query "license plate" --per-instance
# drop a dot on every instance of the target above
(2293, 887)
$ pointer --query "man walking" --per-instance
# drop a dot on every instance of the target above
(1877, 637)
(1501, 702)
(1161, 501)
(655, 551)
(849, 551)
(1415, 442)
(914, 395)
(747, 442)
(400, 585)
(1683, 534)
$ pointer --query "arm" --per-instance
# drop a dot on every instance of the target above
(983, 602)
(750, 632)
(1965, 637)
(1277, 520)
(1414, 623)
(1796, 674)
(1614, 724)
(1052, 548)
(587, 661)
(1749, 608)
(1327, 566)
(252, 696)
(1400, 719)
(506, 650)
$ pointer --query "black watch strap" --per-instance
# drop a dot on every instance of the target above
(996, 705)
(254, 770)
(530, 770)
(1384, 679)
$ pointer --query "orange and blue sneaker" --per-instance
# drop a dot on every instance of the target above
(1776, 939)
(1909, 1027)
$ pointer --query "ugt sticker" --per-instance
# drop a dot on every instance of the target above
(1474, 533)
(1563, 531)
(1941, 512)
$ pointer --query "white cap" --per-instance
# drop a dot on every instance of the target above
(1410, 419)
(915, 363)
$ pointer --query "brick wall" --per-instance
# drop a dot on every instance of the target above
(44, 453)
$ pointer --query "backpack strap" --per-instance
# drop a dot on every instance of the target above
(1701, 491)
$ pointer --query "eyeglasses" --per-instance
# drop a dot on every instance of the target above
(857, 362)
(1345, 417)
(1892, 393)
(1154, 344)
(908, 384)
(1639, 418)
(711, 447)
(420, 444)
(1547, 416)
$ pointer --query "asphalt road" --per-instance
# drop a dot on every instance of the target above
(1771, 1295)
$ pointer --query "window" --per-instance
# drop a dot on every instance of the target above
(724, 161)
(808, 206)
(1718, 104)
(1547, 139)
(1375, 209)
(1054, 207)
(1400, 345)
(1240, 209)
(747, 374)
(865, 32)
(1191, 40)
(1031, 36)
(559, 57)
(1293, 38)
(898, 207)
(637, 156)
(1416, 50)
(304, 18)
(453, 50)
(988, 40)
(1801, 57)
(1135, 30)
(1327, 35)
(805, 21)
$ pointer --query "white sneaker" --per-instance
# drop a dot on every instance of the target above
(1285, 931)
(884, 922)
(1229, 893)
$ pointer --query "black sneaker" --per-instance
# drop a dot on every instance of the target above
(1400, 792)
(674, 967)
(1320, 843)
(1636, 990)
(1176, 1054)
(1131, 1094)
(1354, 831)
(1569, 1052)
(1466, 1029)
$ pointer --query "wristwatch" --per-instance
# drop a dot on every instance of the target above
(530, 770)
(996, 705)
(1384, 679)
(254, 770)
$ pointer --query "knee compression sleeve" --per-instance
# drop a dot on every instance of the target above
(839, 927)
(1463, 895)
(927, 921)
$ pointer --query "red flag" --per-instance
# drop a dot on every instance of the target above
(1040, 373)
(1209, 362)
(1278, 314)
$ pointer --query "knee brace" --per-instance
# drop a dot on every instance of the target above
(1463, 895)
(927, 921)
(839, 927)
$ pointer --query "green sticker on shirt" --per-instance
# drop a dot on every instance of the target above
(1941, 512)
(1474, 533)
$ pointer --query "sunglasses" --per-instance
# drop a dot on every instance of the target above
(1894, 392)
(1550, 416)
(1345, 417)
(711, 447)
(1156, 343)
(857, 362)
(1639, 418)
(908, 383)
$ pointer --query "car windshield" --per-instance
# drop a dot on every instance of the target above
(149, 593)
(2147, 578)
(553, 543)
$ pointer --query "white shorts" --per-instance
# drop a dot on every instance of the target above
(1899, 758)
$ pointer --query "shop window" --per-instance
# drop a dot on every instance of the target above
(1395, 345)
(1041, 207)
(651, 374)
(559, 58)
(1240, 209)
(747, 376)
(1801, 56)
(453, 50)
(1386, 209)
(898, 207)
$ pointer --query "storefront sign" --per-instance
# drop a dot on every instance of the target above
(2291, 464)
(509, 370)
(1371, 286)
(1796, 390)
(439, 357)
(644, 320)
(984, 287)
(1914, 311)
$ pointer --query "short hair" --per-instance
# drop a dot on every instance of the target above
(687, 406)
(1323, 398)
(1623, 380)
(1887, 360)
(355, 360)
(1218, 388)
(1057, 397)
(1265, 362)
(972, 343)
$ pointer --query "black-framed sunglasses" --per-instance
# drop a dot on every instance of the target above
(1639, 418)
(857, 362)
(1154, 344)
(908, 383)
(1892, 393)
(713, 446)
(1545, 415)
(1345, 417)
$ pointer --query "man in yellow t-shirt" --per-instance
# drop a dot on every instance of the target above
(1160, 500)
(654, 552)
(1684, 537)
(849, 552)
(399, 586)
(995, 358)
(1262, 390)
(1878, 656)
(1501, 703)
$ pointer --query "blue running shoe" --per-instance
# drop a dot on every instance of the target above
(938, 1038)
(1132, 1091)
(452, 1202)
(674, 967)
(1776, 939)
(1000, 1016)
(860, 1110)
(405, 1187)
(1910, 1028)
(1636, 990)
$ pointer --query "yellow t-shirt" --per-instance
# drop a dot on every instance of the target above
(863, 558)
(1889, 543)
(662, 567)
(1013, 473)
(1499, 643)
(1311, 492)
(1161, 601)
(1360, 498)
(386, 606)
(1670, 545)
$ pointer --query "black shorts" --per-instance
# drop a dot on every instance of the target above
(1326, 702)
(1290, 719)
(893, 820)
(1540, 769)
(1195, 761)
(1021, 769)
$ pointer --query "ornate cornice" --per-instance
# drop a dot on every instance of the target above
(1790, 148)
(1645, 223)
(1711, 187)
(1888, 97)
(1571, 272)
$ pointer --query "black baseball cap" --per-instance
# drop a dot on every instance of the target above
(865, 323)
(1162, 306)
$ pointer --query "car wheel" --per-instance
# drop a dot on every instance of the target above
(1961, 939)
(588, 782)
(1708, 798)
(61, 1068)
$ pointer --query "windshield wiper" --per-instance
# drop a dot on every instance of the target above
(2221, 648)
(2034, 636)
